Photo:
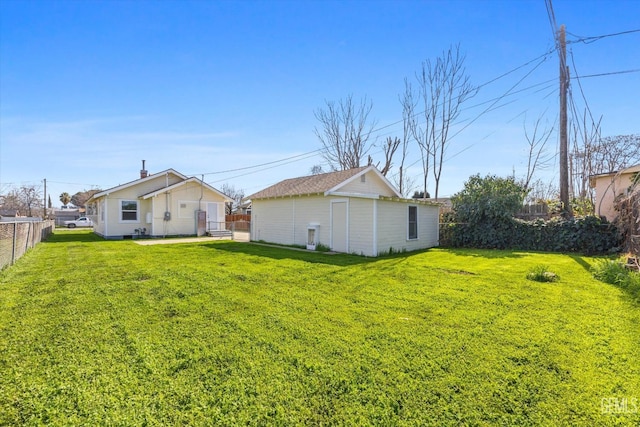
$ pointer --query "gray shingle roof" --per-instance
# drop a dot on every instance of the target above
(306, 184)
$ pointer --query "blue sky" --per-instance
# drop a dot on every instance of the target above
(90, 88)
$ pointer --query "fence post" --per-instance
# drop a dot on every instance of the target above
(13, 247)
(26, 243)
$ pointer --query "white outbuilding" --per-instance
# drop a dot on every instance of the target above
(353, 211)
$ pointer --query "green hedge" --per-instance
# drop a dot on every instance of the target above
(589, 235)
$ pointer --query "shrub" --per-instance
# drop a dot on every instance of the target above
(614, 272)
(320, 247)
(589, 235)
(484, 212)
(541, 273)
(610, 271)
(488, 199)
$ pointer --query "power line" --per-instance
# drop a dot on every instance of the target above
(552, 19)
(592, 39)
(263, 164)
(612, 73)
(586, 103)
(499, 98)
(309, 155)
(479, 86)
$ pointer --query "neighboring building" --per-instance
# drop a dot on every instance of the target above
(243, 208)
(9, 214)
(66, 214)
(608, 186)
(163, 204)
(353, 211)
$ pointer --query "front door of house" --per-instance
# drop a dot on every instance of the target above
(339, 227)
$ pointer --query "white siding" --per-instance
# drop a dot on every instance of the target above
(361, 226)
(372, 185)
(182, 221)
(285, 221)
(272, 220)
(311, 210)
(393, 218)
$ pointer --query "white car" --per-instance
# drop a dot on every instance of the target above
(83, 221)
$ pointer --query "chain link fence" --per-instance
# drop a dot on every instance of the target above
(19, 236)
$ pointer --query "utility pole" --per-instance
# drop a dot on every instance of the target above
(45, 199)
(564, 160)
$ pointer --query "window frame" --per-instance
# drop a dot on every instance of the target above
(122, 211)
(410, 222)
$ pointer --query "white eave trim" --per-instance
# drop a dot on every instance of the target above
(347, 194)
(137, 181)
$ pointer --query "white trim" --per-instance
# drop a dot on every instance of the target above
(349, 194)
(137, 181)
(293, 216)
(106, 216)
(375, 227)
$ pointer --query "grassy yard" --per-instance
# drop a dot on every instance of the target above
(221, 333)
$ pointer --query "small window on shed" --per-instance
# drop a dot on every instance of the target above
(363, 178)
(412, 231)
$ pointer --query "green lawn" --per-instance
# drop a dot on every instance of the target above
(112, 333)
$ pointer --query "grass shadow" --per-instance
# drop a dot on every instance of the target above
(341, 260)
(67, 236)
(580, 261)
(485, 253)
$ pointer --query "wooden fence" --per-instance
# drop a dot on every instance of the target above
(535, 211)
(238, 222)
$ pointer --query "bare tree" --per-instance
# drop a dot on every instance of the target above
(27, 199)
(592, 154)
(582, 159)
(389, 148)
(537, 155)
(540, 191)
(11, 200)
(344, 131)
(443, 86)
(616, 152)
(236, 195)
(316, 170)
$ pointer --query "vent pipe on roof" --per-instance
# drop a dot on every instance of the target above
(143, 171)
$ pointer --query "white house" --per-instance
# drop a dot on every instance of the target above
(354, 211)
(163, 204)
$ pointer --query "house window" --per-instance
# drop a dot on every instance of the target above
(129, 210)
(413, 223)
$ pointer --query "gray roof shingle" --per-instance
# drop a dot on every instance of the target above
(311, 184)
